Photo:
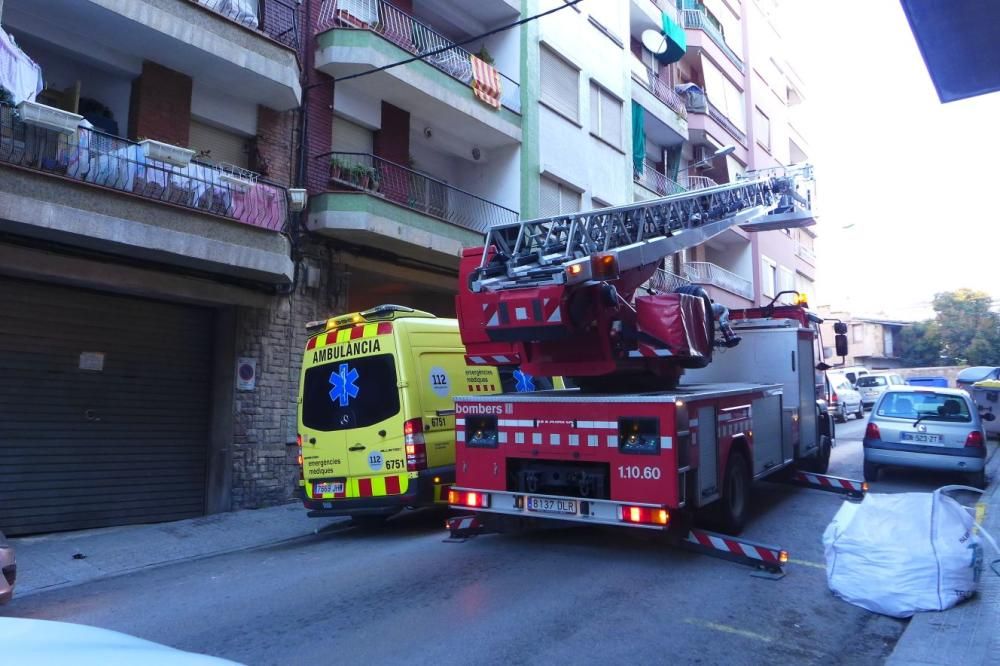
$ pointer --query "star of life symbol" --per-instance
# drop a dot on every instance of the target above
(523, 383)
(344, 382)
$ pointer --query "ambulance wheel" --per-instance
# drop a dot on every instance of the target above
(368, 522)
(734, 504)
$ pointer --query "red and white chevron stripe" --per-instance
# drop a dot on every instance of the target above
(493, 359)
(829, 481)
(753, 551)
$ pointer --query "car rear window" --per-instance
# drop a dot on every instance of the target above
(871, 381)
(924, 404)
(355, 393)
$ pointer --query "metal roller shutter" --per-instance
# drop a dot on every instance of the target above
(225, 147)
(349, 137)
(83, 448)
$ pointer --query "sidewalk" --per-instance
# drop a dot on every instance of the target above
(58, 560)
(970, 632)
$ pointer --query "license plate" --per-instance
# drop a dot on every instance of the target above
(547, 505)
(333, 487)
(920, 438)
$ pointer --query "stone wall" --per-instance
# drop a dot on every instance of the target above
(264, 456)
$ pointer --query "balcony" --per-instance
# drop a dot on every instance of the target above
(695, 19)
(99, 191)
(655, 182)
(354, 37)
(705, 273)
(664, 280)
(704, 116)
(697, 182)
(806, 254)
(375, 202)
(246, 48)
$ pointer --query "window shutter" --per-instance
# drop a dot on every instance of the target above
(611, 120)
(350, 137)
(560, 84)
(548, 197)
(223, 146)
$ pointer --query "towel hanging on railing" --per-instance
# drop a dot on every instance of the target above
(486, 82)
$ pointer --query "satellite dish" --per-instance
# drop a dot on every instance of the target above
(654, 41)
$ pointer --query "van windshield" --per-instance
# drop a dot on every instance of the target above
(871, 381)
(355, 393)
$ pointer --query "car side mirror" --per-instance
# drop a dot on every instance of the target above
(840, 342)
(823, 367)
(840, 328)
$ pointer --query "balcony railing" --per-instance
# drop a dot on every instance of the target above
(695, 19)
(655, 181)
(697, 182)
(105, 161)
(703, 272)
(666, 281)
(727, 124)
(278, 19)
(412, 189)
(805, 253)
(661, 90)
(413, 36)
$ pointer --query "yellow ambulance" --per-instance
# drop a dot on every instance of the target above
(376, 411)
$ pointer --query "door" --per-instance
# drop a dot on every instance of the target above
(708, 456)
(104, 408)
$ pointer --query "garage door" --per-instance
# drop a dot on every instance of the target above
(104, 409)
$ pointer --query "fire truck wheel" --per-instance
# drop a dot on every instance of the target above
(819, 463)
(735, 500)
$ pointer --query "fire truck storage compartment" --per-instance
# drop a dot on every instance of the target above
(586, 480)
(106, 404)
(773, 354)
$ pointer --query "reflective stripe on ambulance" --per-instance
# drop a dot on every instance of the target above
(375, 486)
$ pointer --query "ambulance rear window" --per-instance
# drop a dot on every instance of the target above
(353, 393)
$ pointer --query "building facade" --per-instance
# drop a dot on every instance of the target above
(161, 294)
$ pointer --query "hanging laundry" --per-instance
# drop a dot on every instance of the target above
(486, 82)
(19, 74)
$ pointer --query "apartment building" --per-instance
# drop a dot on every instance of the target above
(146, 271)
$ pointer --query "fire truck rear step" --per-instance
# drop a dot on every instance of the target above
(852, 488)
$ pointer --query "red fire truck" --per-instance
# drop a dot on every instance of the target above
(681, 404)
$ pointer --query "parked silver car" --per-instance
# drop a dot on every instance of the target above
(931, 428)
(8, 571)
(872, 386)
(844, 399)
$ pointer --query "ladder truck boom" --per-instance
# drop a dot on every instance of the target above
(561, 295)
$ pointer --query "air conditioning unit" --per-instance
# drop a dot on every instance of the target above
(703, 154)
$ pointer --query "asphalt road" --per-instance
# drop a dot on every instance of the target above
(562, 596)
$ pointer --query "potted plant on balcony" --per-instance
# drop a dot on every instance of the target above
(338, 169)
(360, 176)
(374, 180)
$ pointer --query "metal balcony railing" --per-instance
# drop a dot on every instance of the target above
(697, 182)
(666, 281)
(278, 19)
(805, 253)
(727, 124)
(105, 161)
(661, 90)
(412, 189)
(703, 272)
(413, 36)
(655, 181)
(696, 19)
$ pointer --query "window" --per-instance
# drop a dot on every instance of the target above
(219, 146)
(374, 399)
(723, 94)
(768, 277)
(556, 199)
(786, 280)
(350, 137)
(762, 129)
(857, 332)
(560, 84)
(605, 115)
(925, 405)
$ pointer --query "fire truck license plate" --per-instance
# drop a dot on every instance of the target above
(546, 505)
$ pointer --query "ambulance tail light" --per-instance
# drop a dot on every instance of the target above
(644, 515)
(469, 498)
(416, 448)
(302, 473)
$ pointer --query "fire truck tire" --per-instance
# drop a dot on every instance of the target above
(735, 501)
(819, 463)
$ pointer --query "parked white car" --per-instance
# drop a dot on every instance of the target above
(844, 400)
(872, 386)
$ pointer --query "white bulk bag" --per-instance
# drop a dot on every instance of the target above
(904, 553)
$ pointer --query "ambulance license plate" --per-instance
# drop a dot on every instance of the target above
(548, 505)
(332, 487)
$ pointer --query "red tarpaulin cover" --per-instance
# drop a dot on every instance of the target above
(676, 322)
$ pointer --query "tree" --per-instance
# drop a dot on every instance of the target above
(920, 345)
(969, 331)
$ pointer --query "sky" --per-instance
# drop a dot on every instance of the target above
(906, 184)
